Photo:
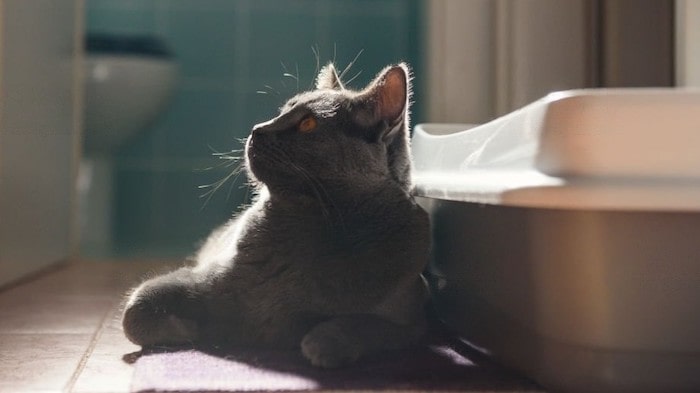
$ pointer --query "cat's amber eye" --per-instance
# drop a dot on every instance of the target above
(307, 124)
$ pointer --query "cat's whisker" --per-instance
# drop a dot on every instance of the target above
(280, 157)
(296, 65)
(288, 74)
(214, 187)
(317, 55)
(245, 184)
(230, 187)
(228, 157)
(230, 162)
(216, 166)
(321, 194)
(354, 77)
(330, 202)
(223, 164)
(285, 74)
(272, 89)
(347, 68)
(313, 185)
(218, 153)
(246, 196)
(231, 158)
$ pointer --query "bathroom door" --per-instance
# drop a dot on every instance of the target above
(39, 123)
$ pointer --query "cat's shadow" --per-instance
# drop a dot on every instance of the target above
(440, 362)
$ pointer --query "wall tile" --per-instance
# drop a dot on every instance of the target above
(143, 144)
(203, 40)
(135, 197)
(199, 123)
(261, 107)
(375, 54)
(281, 34)
(228, 50)
(188, 215)
(168, 208)
(215, 5)
(128, 17)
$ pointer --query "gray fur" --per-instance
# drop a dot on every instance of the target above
(329, 257)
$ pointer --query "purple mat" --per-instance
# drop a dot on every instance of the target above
(437, 366)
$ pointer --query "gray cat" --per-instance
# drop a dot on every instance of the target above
(328, 257)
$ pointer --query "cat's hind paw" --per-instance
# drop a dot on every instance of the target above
(327, 346)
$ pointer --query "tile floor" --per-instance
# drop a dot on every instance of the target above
(60, 330)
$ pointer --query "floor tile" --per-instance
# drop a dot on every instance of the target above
(61, 330)
(104, 373)
(52, 315)
(87, 279)
(111, 339)
(73, 298)
(39, 362)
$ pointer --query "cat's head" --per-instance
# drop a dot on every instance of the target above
(332, 135)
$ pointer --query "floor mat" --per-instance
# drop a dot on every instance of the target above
(440, 365)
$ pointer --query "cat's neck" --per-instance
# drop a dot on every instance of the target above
(336, 195)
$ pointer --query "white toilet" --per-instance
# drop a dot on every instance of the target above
(129, 81)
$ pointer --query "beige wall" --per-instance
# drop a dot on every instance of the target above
(460, 63)
(39, 122)
(489, 57)
(688, 43)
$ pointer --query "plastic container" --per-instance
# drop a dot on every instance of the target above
(567, 237)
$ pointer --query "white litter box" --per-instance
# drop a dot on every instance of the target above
(567, 237)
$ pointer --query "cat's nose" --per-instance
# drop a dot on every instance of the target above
(256, 129)
(262, 127)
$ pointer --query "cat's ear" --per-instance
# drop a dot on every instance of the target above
(328, 78)
(385, 100)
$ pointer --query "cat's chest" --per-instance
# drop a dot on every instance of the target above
(283, 235)
(295, 238)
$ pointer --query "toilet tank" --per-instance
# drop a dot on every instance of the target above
(566, 237)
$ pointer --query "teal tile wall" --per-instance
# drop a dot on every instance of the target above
(228, 51)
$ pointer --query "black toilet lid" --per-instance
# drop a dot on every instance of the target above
(136, 45)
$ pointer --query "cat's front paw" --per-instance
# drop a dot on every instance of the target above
(147, 326)
(328, 346)
(163, 311)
